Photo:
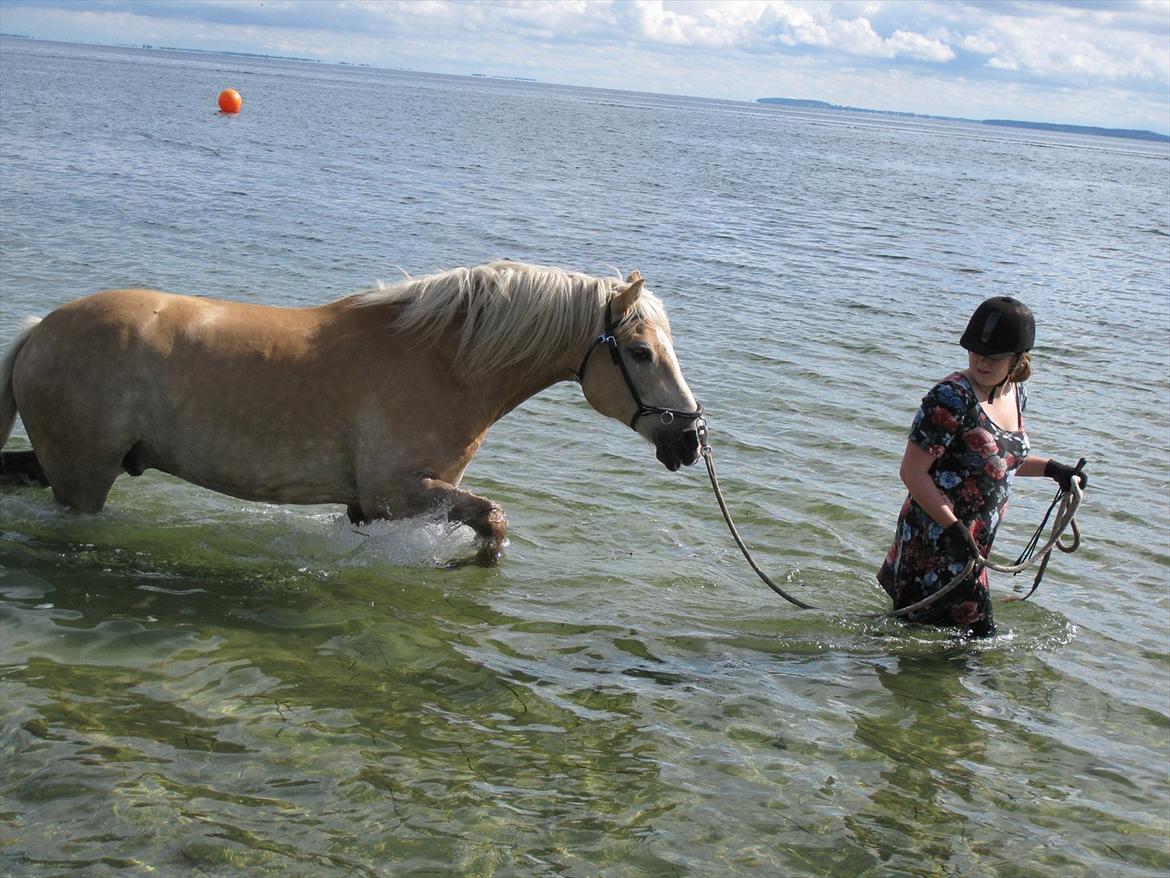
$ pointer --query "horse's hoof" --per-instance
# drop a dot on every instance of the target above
(488, 557)
(489, 554)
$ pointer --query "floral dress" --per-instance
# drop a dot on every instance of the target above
(975, 462)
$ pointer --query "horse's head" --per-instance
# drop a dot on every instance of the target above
(637, 378)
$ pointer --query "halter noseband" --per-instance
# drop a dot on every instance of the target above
(609, 339)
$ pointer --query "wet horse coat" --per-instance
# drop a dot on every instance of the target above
(377, 401)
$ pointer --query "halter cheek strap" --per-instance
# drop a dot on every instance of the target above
(609, 339)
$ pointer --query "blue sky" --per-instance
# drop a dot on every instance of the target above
(1097, 62)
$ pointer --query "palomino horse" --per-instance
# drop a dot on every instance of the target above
(378, 401)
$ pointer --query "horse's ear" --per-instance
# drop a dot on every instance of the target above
(628, 294)
(634, 275)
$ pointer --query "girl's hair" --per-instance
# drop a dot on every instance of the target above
(1022, 371)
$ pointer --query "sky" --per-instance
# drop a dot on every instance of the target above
(1093, 62)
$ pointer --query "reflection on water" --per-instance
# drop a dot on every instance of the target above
(930, 739)
(359, 722)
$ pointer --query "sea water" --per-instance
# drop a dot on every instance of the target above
(197, 685)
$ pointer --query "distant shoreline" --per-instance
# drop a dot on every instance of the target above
(796, 103)
(1126, 133)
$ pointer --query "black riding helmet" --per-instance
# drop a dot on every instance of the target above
(1001, 325)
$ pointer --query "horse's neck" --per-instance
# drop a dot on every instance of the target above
(430, 365)
(510, 388)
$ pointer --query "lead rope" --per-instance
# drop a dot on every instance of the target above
(709, 459)
(1065, 519)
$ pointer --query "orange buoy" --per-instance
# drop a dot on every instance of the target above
(230, 100)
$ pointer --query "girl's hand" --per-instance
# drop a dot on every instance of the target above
(960, 546)
(1063, 474)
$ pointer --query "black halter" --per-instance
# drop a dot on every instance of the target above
(609, 338)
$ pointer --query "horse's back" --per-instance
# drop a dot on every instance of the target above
(221, 393)
(104, 324)
(136, 327)
(127, 347)
(135, 315)
(130, 304)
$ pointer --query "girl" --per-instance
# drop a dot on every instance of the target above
(966, 444)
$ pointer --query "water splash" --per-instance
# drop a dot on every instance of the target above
(428, 540)
(169, 529)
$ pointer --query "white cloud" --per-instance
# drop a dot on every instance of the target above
(1002, 64)
(1108, 43)
(917, 46)
(980, 44)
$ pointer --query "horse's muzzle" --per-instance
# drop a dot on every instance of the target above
(678, 448)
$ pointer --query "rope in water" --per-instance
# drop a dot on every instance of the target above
(1065, 519)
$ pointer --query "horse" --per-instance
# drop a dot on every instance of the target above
(377, 401)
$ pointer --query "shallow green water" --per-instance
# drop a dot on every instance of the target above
(227, 712)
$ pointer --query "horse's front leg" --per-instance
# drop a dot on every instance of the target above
(482, 515)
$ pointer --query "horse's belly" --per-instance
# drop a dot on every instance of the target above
(298, 474)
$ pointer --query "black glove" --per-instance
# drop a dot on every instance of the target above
(959, 545)
(1063, 474)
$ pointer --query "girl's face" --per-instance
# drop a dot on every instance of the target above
(989, 371)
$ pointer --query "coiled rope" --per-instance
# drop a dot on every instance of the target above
(1065, 503)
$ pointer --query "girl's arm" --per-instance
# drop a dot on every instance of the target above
(1061, 473)
(1033, 466)
(915, 473)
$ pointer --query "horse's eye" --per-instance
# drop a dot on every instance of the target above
(641, 353)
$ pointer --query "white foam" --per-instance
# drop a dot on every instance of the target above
(422, 541)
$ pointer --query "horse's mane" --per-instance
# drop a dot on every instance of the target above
(508, 314)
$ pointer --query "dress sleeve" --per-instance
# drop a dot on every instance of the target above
(941, 417)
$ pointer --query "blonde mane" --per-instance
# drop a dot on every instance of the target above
(508, 314)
